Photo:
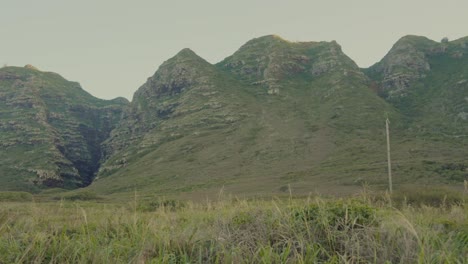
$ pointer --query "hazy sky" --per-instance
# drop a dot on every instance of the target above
(111, 46)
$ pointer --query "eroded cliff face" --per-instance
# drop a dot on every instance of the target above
(156, 100)
(50, 130)
(187, 96)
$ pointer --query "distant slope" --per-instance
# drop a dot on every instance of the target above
(50, 130)
(272, 114)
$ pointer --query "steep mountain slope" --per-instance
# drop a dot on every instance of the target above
(50, 130)
(272, 114)
(428, 83)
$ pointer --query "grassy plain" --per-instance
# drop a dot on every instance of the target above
(429, 226)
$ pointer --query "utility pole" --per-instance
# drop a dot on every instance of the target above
(387, 122)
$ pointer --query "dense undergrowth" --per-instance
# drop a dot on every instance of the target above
(362, 229)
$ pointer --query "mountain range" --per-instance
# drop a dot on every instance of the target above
(275, 117)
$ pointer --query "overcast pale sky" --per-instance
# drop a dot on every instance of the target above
(112, 46)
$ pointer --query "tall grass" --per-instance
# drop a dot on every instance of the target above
(312, 230)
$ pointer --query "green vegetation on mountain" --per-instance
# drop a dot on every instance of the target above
(274, 116)
(50, 130)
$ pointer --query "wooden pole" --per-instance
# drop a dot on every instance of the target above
(390, 185)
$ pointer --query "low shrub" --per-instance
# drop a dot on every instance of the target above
(428, 196)
(81, 196)
(15, 197)
(151, 206)
(339, 214)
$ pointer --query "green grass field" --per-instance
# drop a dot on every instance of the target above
(425, 226)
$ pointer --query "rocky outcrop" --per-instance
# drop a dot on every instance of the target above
(426, 80)
(268, 60)
(406, 62)
(274, 58)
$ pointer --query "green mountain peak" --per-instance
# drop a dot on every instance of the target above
(186, 52)
(29, 66)
(270, 58)
(271, 39)
(175, 75)
(414, 40)
(185, 55)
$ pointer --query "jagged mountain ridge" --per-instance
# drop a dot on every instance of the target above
(279, 115)
(50, 130)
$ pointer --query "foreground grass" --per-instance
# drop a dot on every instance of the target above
(309, 230)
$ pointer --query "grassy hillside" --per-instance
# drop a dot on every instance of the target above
(431, 91)
(300, 115)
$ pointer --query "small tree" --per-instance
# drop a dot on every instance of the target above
(444, 40)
